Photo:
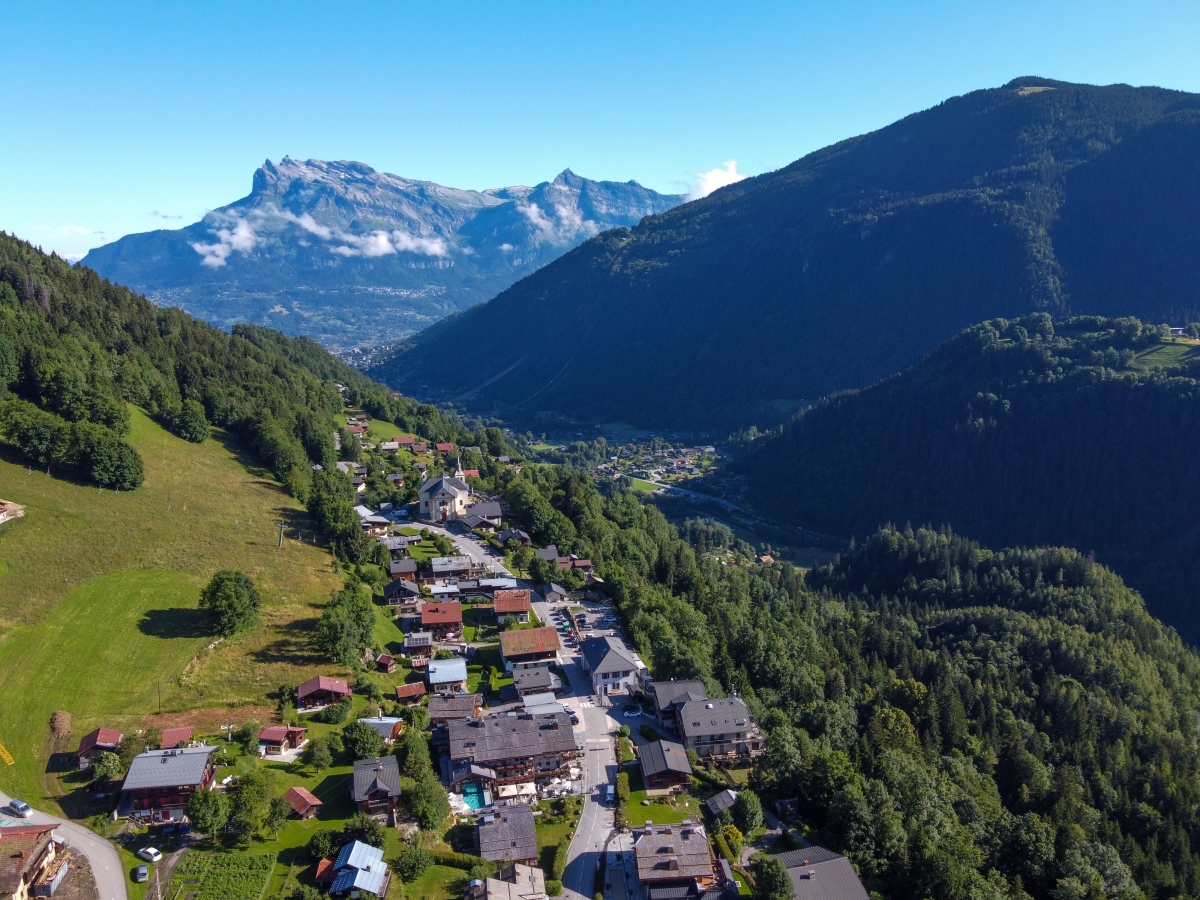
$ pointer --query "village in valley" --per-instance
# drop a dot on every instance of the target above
(501, 740)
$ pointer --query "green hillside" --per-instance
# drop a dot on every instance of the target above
(1080, 432)
(848, 264)
(99, 592)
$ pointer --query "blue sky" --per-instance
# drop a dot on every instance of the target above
(122, 118)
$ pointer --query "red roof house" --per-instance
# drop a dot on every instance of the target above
(444, 448)
(276, 739)
(471, 473)
(442, 618)
(321, 691)
(410, 693)
(325, 872)
(173, 737)
(302, 801)
(27, 855)
(95, 743)
(405, 440)
(420, 448)
(512, 604)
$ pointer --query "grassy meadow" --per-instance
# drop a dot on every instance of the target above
(99, 594)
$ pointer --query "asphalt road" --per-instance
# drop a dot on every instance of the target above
(106, 864)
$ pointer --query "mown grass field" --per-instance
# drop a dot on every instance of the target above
(99, 594)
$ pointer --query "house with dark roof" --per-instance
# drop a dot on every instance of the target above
(402, 569)
(512, 606)
(549, 554)
(515, 748)
(321, 691)
(675, 856)
(669, 696)
(488, 511)
(418, 647)
(721, 801)
(507, 836)
(410, 694)
(304, 803)
(536, 681)
(376, 785)
(160, 782)
(555, 593)
(443, 498)
(360, 869)
(664, 765)
(29, 860)
(609, 663)
(446, 708)
(277, 739)
(514, 534)
(96, 742)
(721, 727)
(175, 737)
(443, 619)
(385, 662)
(820, 874)
(529, 648)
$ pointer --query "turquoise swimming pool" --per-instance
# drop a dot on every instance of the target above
(474, 795)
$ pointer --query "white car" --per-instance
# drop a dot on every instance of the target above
(150, 854)
(632, 713)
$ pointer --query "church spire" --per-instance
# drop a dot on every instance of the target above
(458, 470)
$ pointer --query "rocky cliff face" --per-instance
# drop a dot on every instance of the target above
(349, 255)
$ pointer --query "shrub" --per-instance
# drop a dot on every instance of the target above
(335, 713)
(560, 858)
(365, 828)
(232, 601)
(412, 862)
(324, 843)
(554, 887)
(361, 740)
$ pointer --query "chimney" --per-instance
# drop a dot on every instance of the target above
(673, 863)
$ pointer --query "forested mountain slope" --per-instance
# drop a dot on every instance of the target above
(1080, 433)
(962, 723)
(849, 264)
(348, 255)
(74, 349)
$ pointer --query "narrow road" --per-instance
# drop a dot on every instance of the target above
(599, 770)
(106, 864)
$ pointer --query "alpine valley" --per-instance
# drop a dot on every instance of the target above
(350, 256)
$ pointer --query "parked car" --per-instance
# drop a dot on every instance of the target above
(150, 854)
(632, 713)
(141, 874)
(20, 808)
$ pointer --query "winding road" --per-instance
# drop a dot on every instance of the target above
(100, 853)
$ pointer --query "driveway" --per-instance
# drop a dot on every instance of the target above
(101, 854)
(469, 545)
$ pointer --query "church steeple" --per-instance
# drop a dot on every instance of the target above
(458, 470)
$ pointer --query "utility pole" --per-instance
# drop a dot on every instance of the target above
(282, 525)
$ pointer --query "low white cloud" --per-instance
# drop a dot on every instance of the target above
(707, 182)
(566, 225)
(505, 248)
(241, 237)
(237, 233)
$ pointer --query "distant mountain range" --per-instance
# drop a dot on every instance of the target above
(847, 265)
(348, 255)
(1079, 432)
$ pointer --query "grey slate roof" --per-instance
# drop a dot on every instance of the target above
(668, 692)
(550, 553)
(724, 800)
(533, 679)
(509, 737)
(607, 654)
(441, 483)
(461, 705)
(401, 587)
(379, 774)
(509, 833)
(447, 671)
(702, 718)
(663, 758)
(449, 563)
(168, 768)
(827, 875)
(488, 509)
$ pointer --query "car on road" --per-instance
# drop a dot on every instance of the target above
(20, 808)
(632, 713)
(150, 854)
(141, 874)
